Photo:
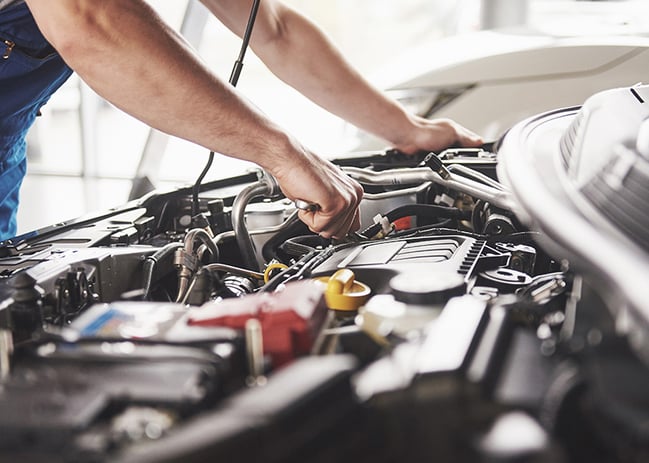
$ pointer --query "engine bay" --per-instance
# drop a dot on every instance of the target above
(456, 325)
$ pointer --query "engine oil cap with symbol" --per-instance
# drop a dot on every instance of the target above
(427, 288)
(343, 292)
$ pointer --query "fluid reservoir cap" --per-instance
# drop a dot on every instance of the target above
(343, 292)
(427, 288)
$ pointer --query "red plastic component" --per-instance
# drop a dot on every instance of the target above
(404, 223)
(291, 318)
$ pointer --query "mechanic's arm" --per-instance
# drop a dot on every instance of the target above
(300, 54)
(128, 55)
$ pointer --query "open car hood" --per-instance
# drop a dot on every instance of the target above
(491, 308)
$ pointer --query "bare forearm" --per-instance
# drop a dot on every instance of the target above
(319, 71)
(129, 56)
(299, 53)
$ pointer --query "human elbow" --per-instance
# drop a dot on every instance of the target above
(77, 29)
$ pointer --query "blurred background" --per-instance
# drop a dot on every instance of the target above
(83, 154)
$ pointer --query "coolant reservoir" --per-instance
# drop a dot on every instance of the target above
(415, 300)
(429, 289)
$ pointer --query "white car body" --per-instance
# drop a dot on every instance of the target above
(523, 75)
(493, 78)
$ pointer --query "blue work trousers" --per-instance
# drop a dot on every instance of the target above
(30, 71)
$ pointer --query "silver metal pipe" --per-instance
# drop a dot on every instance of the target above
(497, 197)
(266, 186)
(412, 176)
(187, 254)
(395, 193)
(235, 270)
(474, 174)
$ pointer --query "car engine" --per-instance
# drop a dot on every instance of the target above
(491, 308)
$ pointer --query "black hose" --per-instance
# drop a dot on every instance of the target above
(197, 185)
(269, 249)
(151, 261)
(418, 210)
(301, 245)
(202, 236)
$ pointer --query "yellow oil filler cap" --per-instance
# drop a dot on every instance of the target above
(343, 292)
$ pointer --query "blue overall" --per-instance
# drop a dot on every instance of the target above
(30, 71)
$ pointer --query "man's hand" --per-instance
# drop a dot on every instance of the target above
(436, 135)
(317, 181)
